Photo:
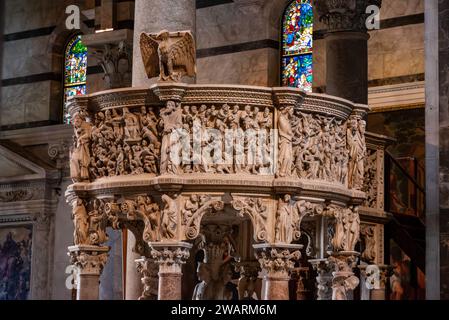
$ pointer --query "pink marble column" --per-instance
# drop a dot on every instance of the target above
(277, 260)
(170, 257)
(89, 262)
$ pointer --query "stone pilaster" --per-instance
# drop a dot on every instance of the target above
(89, 262)
(324, 278)
(170, 257)
(346, 47)
(344, 281)
(277, 260)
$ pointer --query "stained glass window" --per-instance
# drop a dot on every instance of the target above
(297, 45)
(75, 68)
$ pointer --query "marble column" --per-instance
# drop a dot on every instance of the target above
(89, 262)
(170, 257)
(134, 288)
(149, 271)
(277, 260)
(344, 280)
(346, 47)
(437, 149)
(152, 16)
(324, 278)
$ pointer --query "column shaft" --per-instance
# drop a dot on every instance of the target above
(152, 16)
(347, 65)
(134, 286)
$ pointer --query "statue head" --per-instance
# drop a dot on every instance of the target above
(287, 198)
(163, 35)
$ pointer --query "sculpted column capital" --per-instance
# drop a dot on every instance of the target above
(170, 256)
(345, 15)
(277, 260)
(344, 281)
(89, 260)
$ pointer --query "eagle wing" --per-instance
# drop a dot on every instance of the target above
(150, 56)
(182, 54)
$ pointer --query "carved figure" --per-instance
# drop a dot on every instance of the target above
(169, 223)
(168, 55)
(285, 143)
(80, 221)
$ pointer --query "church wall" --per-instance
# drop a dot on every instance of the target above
(63, 239)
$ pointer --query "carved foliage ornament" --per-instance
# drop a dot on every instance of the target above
(169, 258)
(370, 182)
(257, 211)
(195, 207)
(289, 216)
(277, 262)
(88, 262)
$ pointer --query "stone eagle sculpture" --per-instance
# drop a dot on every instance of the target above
(169, 55)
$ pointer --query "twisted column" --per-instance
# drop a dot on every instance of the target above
(277, 261)
(89, 262)
(170, 257)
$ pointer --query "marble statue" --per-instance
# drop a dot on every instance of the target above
(80, 153)
(168, 55)
(80, 221)
(285, 143)
(284, 220)
(169, 222)
(357, 153)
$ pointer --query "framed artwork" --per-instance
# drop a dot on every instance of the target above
(15, 262)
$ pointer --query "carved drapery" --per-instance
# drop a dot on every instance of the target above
(199, 135)
(345, 225)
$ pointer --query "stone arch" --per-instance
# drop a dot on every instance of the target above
(56, 47)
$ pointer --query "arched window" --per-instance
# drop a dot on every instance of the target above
(75, 69)
(297, 45)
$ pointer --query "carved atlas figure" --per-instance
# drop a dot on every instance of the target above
(169, 55)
